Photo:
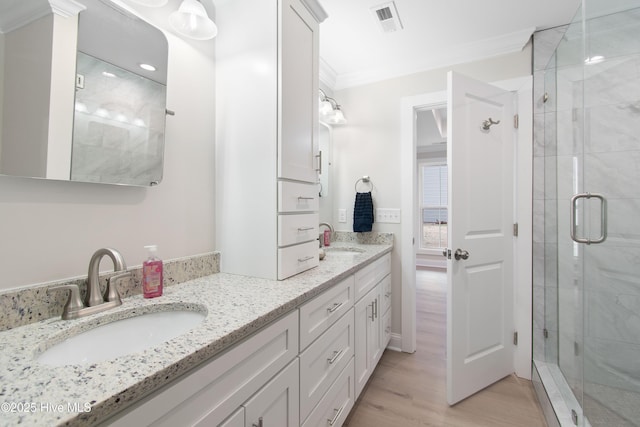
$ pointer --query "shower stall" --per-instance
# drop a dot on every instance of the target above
(586, 278)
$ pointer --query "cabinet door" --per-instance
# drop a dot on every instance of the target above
(367, 344)
(277, 403)
(235, 420)
(374, 333)
(298, 142)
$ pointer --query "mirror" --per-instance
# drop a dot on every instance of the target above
(324, 184)
(75, 103)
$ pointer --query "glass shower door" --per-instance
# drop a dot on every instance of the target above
(611, 348)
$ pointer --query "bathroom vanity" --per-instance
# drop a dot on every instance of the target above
(300, 348)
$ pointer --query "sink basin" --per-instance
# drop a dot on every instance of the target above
(121, 337)
(343, 251)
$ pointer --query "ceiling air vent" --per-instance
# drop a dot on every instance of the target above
(387, 16)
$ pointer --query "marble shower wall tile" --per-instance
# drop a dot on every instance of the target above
(613, 81)
(35, 303)
(614, 174)
(612, 363)
(544, 46)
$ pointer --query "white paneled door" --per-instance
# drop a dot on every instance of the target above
(480, 322)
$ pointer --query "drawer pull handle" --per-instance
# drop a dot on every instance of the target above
(305, 228)
(336, 305)
(336, 416)
(305, 198)
(375, 307)
(372, 317)
(336, 354)
(305, 258)
(259, 423)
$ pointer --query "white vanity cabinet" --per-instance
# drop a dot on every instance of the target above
(213, 393)
(267, 158)
(368, 337)
(276, 404)
(305, 369)
(372, 310)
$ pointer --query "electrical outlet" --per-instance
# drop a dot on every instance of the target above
(389, 216)
(342, 215)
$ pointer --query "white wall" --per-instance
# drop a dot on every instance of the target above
(49, 229)
(370, 143)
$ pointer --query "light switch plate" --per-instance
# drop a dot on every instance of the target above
(342, 215)
(389, 216)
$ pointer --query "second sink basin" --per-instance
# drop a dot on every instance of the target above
(344, 251)
(121, 337)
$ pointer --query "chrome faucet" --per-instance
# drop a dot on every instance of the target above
(94, 302)
(320, 236)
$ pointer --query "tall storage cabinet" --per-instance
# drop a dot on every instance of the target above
(267, 155)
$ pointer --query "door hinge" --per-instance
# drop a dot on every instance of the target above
(515, 229)
(515, 338)
(516, 121)
(545, 332)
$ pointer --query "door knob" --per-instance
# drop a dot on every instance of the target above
(461, 254)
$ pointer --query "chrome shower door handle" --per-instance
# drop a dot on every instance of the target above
(603, 218)
(461, 254)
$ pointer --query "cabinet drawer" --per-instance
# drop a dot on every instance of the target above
(215, 390)
(293, 229)
(336, 403)
(296, 259)
(385, 290)
(297, 197)
(322, 311)
(370, 275)
(322, 362)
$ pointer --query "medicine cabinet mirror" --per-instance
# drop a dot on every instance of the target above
(75, 103)
(324, 183)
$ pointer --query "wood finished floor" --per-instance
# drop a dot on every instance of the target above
(408, 390)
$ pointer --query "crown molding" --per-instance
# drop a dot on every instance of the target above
(66, 8)
(328, 75)
(16, 14)
(482, 49)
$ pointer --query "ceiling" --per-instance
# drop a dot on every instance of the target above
(436, 33)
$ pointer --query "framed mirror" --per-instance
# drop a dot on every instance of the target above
(76, 104)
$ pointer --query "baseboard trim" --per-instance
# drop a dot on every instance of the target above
(395, 343)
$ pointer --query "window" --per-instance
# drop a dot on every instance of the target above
(433, 206)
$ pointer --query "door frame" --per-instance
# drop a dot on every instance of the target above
(523, 214)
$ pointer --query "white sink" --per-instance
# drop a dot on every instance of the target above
(343, 251)
(121, 337)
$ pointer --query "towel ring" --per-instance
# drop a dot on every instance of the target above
(365, 179)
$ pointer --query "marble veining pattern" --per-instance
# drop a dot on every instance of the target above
(35, 303)
(236, 307)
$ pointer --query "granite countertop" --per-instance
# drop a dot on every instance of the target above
(78, 395)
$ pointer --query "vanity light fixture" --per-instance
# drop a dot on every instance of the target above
(191, 20)
(330, 111)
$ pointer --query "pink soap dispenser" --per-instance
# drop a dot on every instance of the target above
(152, 274)
(327, 237)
